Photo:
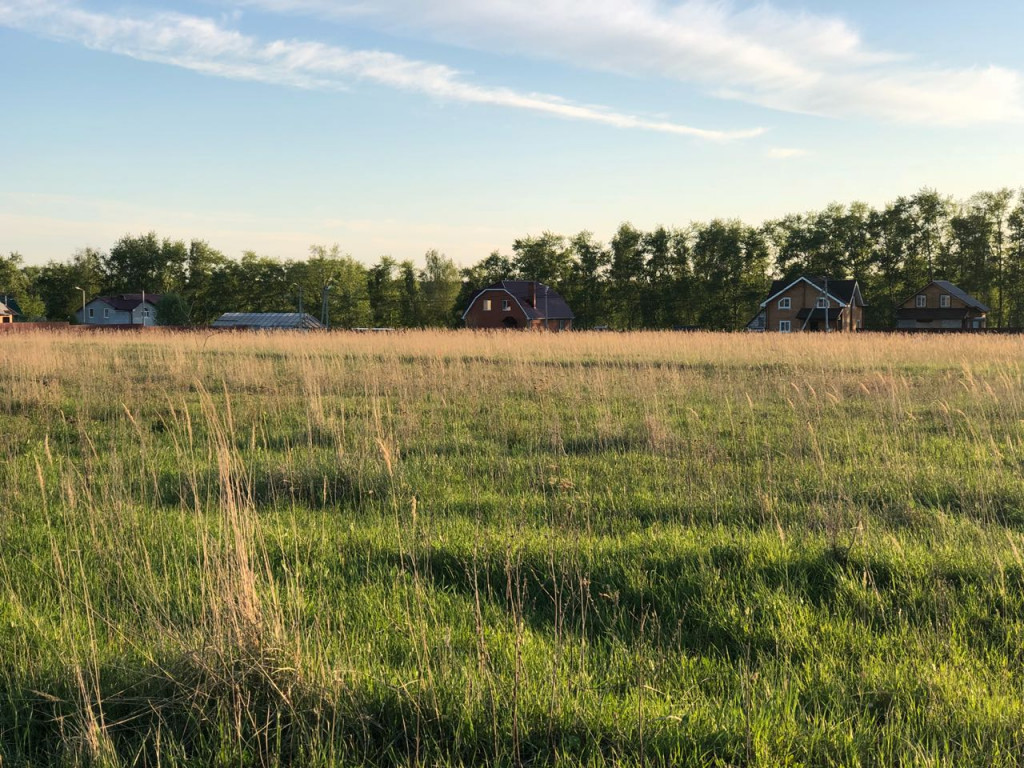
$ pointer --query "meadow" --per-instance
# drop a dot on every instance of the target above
(456, 549)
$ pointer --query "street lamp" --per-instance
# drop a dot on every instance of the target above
(79, 288)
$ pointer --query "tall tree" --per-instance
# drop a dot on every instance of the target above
(440, 286)
(384, 292)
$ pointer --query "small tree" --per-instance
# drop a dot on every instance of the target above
(172, 310)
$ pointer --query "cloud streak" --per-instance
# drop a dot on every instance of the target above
(206, 46)
(796, 62)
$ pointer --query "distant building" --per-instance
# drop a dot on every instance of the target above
(122, 309)
(811, 304)
(518, 304)
(6, 313)
(940, 305)
(268, 321)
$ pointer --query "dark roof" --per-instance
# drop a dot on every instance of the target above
(847, 291)
(126, 302)
(268, 320)
(965, 297)
(550, 304)
(926, 313)
(758, 322)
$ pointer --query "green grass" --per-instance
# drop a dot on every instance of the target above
(444, 549)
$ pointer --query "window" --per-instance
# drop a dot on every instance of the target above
(785, 303)
(487, 305)
(922, 301)
(822, 303)
(92, 312)
(944, 301)
(784, 326)
(106, 312)
(145, 312)
(506, 305)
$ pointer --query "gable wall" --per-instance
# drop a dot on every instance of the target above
(803, 295)
(932, 292)
(478, 317)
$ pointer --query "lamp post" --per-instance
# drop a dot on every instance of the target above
(79, 288)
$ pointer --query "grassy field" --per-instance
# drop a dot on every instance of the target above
(457, 549)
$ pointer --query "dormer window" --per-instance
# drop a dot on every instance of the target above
(785, 303)
(944, 301)
(922, 301)
(822, 303)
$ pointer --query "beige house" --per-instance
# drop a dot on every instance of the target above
(811, 304)
(941, 306)
(6, 314)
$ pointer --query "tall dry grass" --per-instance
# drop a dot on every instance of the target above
(456, 548)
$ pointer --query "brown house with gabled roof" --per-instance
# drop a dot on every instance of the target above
(518, 304)
(941, 306)
(811, 304)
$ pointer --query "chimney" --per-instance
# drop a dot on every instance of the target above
(533, 294)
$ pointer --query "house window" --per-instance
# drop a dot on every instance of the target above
(944, 301)
(506, 305)
(92, 312)
(922, 301)
(785, 303)
(784, 326)
(822, 303)
(145, 312)
(106, 312)
(487, 305)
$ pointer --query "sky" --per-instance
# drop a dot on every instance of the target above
(392, 127)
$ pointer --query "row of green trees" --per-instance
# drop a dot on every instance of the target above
(709, 274)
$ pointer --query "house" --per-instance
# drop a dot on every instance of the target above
(518, 304)
(811, 304)
(940, 305)
(122, 309)
(268, 321)
(6, 314)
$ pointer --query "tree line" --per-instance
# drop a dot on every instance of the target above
(708, 274)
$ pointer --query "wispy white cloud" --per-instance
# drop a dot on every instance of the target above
(785, 153)
(784, 60)
(208, 46)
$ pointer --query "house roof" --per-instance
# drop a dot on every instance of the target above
(5, 310)
(758, 322)
(550, 304)
(268, 320)
(961, 294)
(126, 302)
(843, 291)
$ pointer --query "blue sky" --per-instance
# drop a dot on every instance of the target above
(396, 126)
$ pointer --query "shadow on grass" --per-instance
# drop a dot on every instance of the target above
(249, 711)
